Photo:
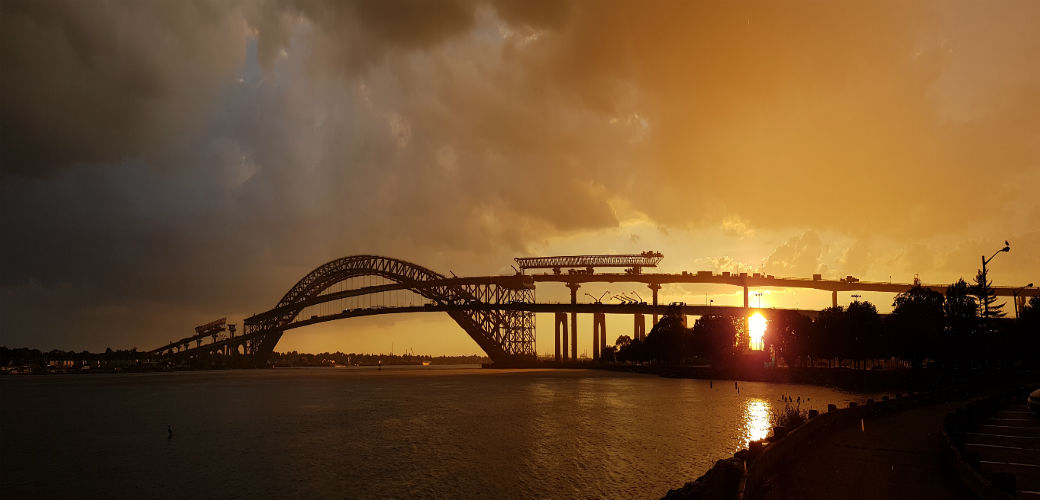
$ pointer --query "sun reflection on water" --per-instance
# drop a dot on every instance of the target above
(756, 420)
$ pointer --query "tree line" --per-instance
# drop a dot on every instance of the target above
(23, 356)
(950, 330)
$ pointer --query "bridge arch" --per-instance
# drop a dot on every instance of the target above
(503, 335)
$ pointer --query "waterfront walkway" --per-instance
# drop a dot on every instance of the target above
(1008, 441)
(891, 457)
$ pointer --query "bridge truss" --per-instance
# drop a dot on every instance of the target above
(496, 311)
(504, 334)
(633, 262)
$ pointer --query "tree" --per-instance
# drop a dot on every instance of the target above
(962, 319)
(863, 329)
(669, 341)
(987, 297)
(917, 320)
(788, 332)
(1031, 311)
(634, 351)
(716, 337)
(622, 342)
(830, 334)
(1029, 331)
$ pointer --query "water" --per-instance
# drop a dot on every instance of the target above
(364, 433)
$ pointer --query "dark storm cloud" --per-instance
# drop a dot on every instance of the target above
(102, 81)
(233, 189)
(361, 32)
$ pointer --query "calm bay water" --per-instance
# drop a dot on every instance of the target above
(402, 432)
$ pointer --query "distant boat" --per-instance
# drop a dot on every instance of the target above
(426, 363)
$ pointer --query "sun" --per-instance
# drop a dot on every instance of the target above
(757, 329)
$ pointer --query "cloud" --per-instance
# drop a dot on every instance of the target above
(857, 259)
(729, 264)
(197, 158)
(735, 225)
(798, 257)
(106, 81)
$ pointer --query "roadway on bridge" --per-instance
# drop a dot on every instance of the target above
(579, 308)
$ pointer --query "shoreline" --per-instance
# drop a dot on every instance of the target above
(864, 381)
(849, 379)
(751, 468)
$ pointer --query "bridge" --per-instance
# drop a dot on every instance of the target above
(497, 312)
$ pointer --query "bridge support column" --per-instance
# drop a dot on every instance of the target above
(561, 336)
(745, 297)
(574, 336)
(574, 320)
(603, 335)
(639, 330)
(834, 298)
(599, 334)
(654, 287)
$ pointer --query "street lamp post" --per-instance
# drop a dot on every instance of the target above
(985, 282)
(759, 295)
(1014, 296)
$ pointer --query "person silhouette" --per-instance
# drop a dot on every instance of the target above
(169, 430)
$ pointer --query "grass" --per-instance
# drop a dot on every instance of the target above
(788, 417)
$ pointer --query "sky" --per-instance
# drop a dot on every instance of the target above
(166, 163)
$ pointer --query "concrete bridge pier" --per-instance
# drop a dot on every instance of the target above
(595, 336)
(574, 335)
(574, 320)
(654, 287)
(599, 334)
(561, 336)
(639, 330)
(834, 298)
(745, 297)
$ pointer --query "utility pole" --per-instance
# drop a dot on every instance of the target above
(985, 282)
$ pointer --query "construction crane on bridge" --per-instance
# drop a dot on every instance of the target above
(586, 264)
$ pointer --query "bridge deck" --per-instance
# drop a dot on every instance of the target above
(760, 281)
(528, 281)
(647, 309)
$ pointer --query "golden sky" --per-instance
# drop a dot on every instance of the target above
(166, 163)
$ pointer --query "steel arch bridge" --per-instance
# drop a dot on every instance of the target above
(497, 312)
(505, 335)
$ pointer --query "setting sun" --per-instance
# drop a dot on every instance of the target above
(756, 329)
